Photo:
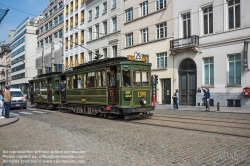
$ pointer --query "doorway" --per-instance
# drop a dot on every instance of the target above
(166, 91)
(187, 82)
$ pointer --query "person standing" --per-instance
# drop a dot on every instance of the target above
(31, 94)
(207, 97)
(1, 104)
(7, 101)
(62, 90)
(175, 99)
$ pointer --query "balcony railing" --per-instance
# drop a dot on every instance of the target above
(188, 42)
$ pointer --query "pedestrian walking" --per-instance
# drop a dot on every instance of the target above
(175, 98)
(7, 101)
(206, 98)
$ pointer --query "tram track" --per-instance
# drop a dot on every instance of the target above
(208, 125)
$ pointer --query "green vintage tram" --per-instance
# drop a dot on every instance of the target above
(111, 86)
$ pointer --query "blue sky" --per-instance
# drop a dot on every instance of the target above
(14, 17)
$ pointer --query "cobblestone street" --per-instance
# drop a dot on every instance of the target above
(115, 142)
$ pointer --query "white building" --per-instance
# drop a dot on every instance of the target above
(75, 24)
(138, 34)
(23, 53)
(103, 28)
(208, 50)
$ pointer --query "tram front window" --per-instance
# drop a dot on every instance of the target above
(126, 77)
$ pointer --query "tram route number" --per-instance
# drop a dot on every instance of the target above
(141, 94)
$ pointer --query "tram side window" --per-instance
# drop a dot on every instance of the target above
(101, 78)
(56, 84)
(145, 78)
(136, 78)
(84, 80)
(91, 80)
(37, 86)
(126, 77)
(69, 82)
(44, 85)
(79, 81)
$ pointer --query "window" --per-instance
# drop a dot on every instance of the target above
(129, 14)
(136, 78)
(91, 79)
(76, 19)
(80, 83)
(76, 39)
(234, 69)
(114, 20)
(67, 10)
(113, 4)
(60, 5)
(96, 52)
(209, 71)
(234, 13)
(56, 21)
(82, 16)
(104, 7)
(97, 11)
(60, 33)
(46, 40)
(46, 27)
(129, 39)
(61, 18)
(50, 39)
(144, 8)
(105, 28)
(50, 12)
(55, 35)
(186, 25)
(90, 56)
(55, 8)
(144, 35)
(50, 24)
(46, 15)
(161, 30)
(41, 42)
(162, 60)
(71, 22)
(160, 4)
(82, 36)
(145, 78)
(90, 34)
(42, 30)
(208, 20)
(114, 49)
(97, 31)
(105, 53)
(90, 15)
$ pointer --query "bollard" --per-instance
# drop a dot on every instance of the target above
(218, 106)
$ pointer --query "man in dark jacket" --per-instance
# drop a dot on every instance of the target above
(207, 97)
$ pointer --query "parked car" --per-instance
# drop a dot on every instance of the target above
(18, 99)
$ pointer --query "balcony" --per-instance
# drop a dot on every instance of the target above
(188, 43)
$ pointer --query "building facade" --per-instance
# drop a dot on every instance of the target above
(208, 49)
(74, 38)
(103, 28)
(3, 54)
(138, 34)
(49, 52)
(23, 52)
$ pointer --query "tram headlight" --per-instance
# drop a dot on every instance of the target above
(143, 101)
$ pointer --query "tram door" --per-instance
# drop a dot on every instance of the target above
(166, 91)
(112, 86)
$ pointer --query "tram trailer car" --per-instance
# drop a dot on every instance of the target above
(112, 86)
(46, 93)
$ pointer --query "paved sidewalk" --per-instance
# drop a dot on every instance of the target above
(7, 121)
(202, 108)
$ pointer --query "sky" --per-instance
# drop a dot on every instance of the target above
(18, 11)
